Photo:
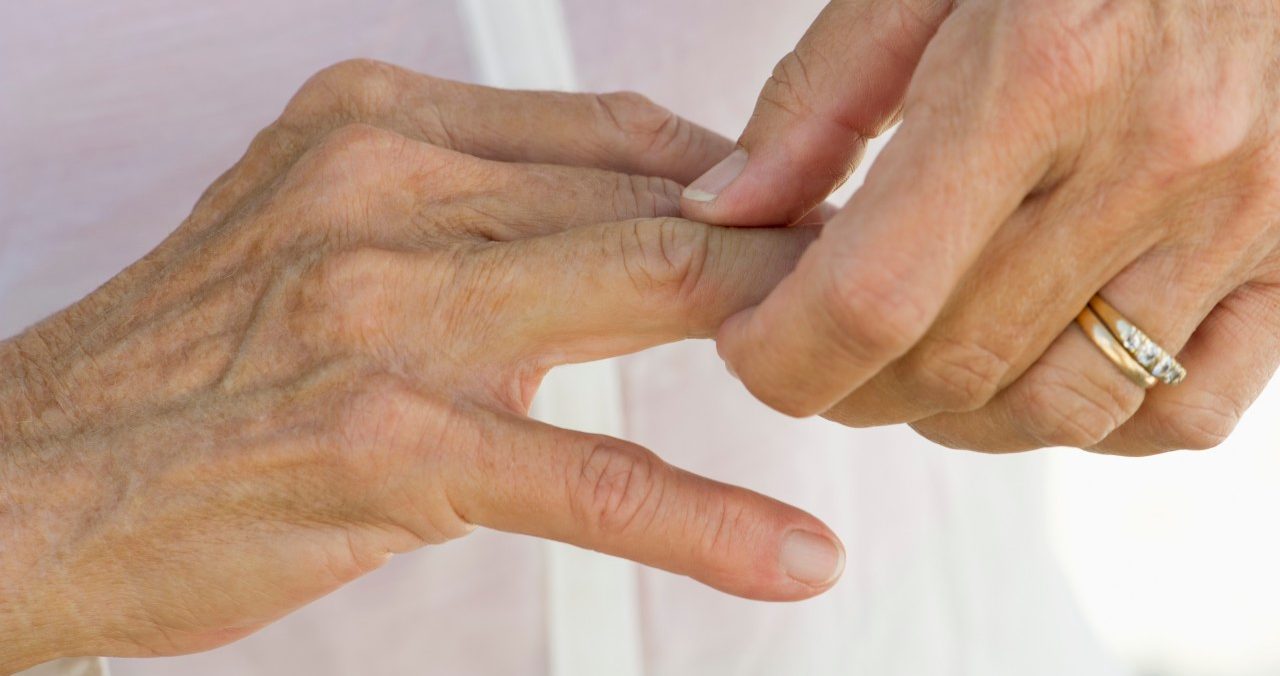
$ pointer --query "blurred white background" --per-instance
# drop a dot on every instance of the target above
(1176, 558)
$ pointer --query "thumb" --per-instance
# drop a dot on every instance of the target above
(842, 84)
(619, 498)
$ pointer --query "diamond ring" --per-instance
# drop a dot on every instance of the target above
(1111, 347)
(1157, 362)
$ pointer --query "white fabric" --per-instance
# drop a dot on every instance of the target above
(116, 115)
(72, 666)
(520, 45)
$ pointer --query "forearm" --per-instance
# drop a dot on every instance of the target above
(28, 639)
(31, 618)
(37, 397)
(15, 405)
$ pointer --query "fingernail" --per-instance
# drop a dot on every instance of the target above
(717, 178)
(811, 559)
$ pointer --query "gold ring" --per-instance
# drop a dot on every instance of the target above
(1110, 346)
(1147, 352)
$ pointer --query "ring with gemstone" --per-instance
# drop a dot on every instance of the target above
(1155, 359)
(1111, 347)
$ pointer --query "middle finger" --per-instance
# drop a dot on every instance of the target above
(1029, 284)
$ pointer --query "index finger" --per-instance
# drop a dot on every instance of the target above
(619, 498)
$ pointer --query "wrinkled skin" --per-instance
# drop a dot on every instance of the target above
(332, 359)
(1049, 149)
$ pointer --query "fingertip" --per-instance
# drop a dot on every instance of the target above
(755, 196)
(804, 558)
(729, 334)
(746, 359)
(745, 190)
(797, 557)
(776, 180)
(731, 329)
(700, 198)
(813, 559)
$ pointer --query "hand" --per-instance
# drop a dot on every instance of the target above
(331, 361)
(1049, 150)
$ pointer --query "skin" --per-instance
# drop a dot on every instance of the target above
(331, 361)
(1049, 149)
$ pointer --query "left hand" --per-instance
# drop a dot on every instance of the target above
(1050, 150)
(331, 361)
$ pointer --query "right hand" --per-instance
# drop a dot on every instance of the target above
(332, 359)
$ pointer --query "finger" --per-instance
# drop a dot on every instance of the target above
(1074, 395)
(1029, 282)
(622, 132)
(505, 201)
(887, 263)
(615, 288)
(1229, 360)
(842, 84)
(410, 193)
(618, 498)
(528, 305)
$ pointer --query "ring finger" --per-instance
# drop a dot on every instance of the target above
(1233, 355)
(1074, 395)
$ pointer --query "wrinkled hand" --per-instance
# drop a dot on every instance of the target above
(1049, 150)
(332, 359)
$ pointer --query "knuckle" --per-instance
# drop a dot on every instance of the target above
(784, 398)
(617, 487)
(790, 88)
(1198, 423)
(381, 429)
(876, 312)
(643, 126)
(723, 521)
(346, 90)
(630, 111)
(948, 436)
(665, 257)
(637, 196)
(1198, 127)
(1061, 407)
(955, 375)
(345, 170)
(278, 142)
